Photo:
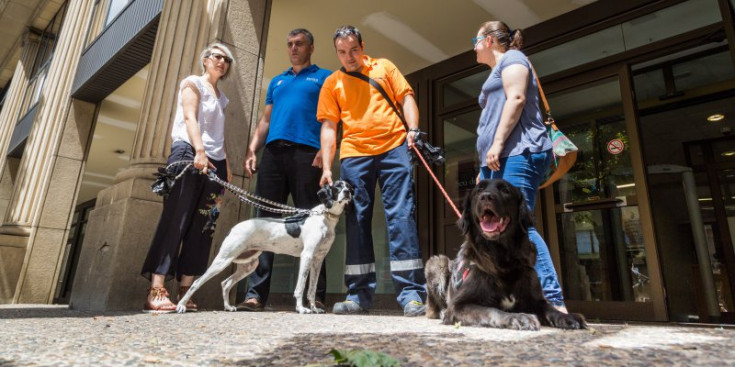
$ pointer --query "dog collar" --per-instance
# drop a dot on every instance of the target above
(330, 214)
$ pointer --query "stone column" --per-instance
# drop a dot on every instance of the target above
(9, 114)
(44, 193)
(121, 226)
(12, 248)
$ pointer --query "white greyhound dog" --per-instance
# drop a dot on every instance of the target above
(307, 236)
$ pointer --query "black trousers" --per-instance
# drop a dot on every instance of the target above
(180, 246)
(285, 168)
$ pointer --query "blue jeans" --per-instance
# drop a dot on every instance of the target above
(394, 173)
(526, 171)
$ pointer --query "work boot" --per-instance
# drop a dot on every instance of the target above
(414, 308)
(347, 308)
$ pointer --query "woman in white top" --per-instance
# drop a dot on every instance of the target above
(180, 246)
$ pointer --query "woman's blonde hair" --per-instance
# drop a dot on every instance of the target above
(509, 40)
(208, 51)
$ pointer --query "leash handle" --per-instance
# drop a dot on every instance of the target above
(436, 180)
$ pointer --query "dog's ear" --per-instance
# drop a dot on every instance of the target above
(325, 196)
(465, 222)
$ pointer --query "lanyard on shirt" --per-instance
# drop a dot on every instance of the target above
(380, 89)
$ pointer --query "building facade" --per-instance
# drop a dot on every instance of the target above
(105, 87)
(642, 228)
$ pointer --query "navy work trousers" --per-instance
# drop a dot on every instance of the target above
(394, 173)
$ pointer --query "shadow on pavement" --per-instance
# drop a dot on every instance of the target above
(30, 312)
(455, 349)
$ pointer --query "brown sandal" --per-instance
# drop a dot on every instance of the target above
(158, 301)
(251, 305)
(190, 305)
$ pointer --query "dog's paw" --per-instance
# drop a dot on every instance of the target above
(522, 321)
(181, 307)
(317, 310)
(230, 308)
(570, 321)
(303, 310)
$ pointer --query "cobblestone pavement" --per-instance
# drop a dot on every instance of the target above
(56, 336)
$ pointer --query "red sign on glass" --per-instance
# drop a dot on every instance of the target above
(615, 146)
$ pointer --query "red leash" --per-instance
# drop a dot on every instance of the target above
(446, 196)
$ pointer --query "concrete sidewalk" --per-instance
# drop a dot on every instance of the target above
(36, 335)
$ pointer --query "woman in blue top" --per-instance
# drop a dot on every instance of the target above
(512, 142)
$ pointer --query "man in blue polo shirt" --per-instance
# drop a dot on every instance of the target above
(291, 162)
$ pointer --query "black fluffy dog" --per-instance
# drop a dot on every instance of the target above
(492, 282)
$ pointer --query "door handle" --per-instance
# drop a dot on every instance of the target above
(593, 205)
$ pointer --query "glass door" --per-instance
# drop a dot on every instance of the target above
(460, 171)
(725, 180)
(595, 225)
(712, 259)
(686, 106)
(458, 113)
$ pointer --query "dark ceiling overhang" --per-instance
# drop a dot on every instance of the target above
(120, 51)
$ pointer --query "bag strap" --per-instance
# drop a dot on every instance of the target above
(380, 89)
(541, 92)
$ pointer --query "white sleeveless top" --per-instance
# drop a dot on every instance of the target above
(211, 119)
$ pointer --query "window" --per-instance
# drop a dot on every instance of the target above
(47, 43)
(659, 25)
(116, 7)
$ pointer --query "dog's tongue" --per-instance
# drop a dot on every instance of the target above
(491, 223)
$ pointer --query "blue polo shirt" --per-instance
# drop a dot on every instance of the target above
(294, 98)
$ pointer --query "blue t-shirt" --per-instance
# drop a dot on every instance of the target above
(294, 98)
(529, 135)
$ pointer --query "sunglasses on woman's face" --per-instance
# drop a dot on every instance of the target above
(477, 39)
(219, 57)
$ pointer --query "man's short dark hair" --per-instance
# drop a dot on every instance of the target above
(303, 31)
(346, 31)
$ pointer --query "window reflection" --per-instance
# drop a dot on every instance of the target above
(592, 117)
(465, 89)
(461, 167)
(604, 257)
(659, 25)
(116, 7)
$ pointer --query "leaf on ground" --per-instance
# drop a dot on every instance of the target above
(363, 358)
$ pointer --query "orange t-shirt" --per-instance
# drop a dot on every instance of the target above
(369, 125)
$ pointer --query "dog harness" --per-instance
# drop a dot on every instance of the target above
(462, 272)
(293, 223)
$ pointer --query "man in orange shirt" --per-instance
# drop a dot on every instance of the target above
(374, 150)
